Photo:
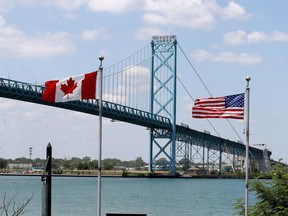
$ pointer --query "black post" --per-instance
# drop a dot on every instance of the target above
(47, 183)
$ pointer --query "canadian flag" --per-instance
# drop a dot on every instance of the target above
(71, 88)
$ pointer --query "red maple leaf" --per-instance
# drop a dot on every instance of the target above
(69, 88)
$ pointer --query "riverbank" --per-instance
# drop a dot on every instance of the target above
(135, 174)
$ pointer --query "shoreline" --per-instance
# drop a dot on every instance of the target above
(133, 176)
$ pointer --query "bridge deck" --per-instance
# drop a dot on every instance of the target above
(32, 93)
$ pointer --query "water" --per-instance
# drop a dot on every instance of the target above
(75, 196)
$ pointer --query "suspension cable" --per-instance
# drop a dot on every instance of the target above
(194, 101)
(143, 48)
(197, 74)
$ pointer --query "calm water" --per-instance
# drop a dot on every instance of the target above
(75, 196)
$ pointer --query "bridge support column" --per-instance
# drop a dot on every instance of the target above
(264, 163)
(163, 100)
(220, 161)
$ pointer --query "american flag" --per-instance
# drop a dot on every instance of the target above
(231, 106)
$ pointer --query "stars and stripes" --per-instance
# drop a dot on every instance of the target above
(231, 106)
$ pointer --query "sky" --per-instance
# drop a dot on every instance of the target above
(224, 40)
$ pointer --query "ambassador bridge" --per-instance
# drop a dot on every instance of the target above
(141, 90)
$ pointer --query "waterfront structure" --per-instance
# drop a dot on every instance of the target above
(22, 166)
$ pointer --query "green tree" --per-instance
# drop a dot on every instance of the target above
(184, 162)
(130, 164)
(39, 162)
(57, 164)
(271, 195)
(22, 160)
(139, 162)
(86, 159)
(163, 163)
(3, 163)
(67, 165)
(93, 164)
(110, 163)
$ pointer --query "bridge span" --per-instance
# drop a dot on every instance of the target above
(27, 92)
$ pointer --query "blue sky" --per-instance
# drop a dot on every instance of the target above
(224, 40)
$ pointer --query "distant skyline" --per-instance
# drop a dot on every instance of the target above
(224, 40)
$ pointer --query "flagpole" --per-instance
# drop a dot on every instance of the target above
(100, 72)
(247, 144)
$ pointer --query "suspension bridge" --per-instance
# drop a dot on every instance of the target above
(141, 90)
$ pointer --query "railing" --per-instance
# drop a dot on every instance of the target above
(194, 137)
(32, 93)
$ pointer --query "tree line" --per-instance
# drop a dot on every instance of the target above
(76, 163)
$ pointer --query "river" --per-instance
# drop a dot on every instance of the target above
(75, 196)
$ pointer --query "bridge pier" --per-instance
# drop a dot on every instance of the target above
(163, 100)
(264, 163)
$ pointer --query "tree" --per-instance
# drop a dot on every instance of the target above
(3, 163)
(185, 163)
(86, 159)
(271, 195)
(5, 208)
(22, 160)
(39, 162)
(163, 163)
(110, 163)
(139, 162)
(93, 164)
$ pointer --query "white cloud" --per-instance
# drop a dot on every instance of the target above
(132, 87)
(192, 14)
(201, 55)
(6, 105)
(234, 11)
(115, 6)
(66, 5)
(92, 34)
(2, 21)
(255, 37)
(234, 38)
(188, 106)
(33, 115)
(146, 33)
(69, 16)
(241, 37)
(279, 36)
(13, 42)
(227, 57)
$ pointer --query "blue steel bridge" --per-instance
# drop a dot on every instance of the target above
(141, 90)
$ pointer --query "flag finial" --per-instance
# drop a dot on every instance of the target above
(248, 80)
(101, 58)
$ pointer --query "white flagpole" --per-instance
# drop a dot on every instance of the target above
(100, 72)
(247, 97)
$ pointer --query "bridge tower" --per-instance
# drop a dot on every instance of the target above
(163, 102)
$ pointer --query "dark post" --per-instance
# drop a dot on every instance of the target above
(125, 214)
(47, 183)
